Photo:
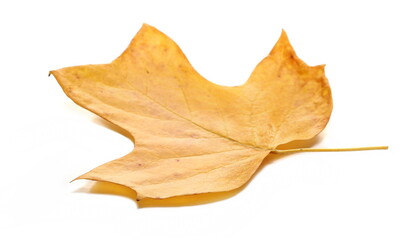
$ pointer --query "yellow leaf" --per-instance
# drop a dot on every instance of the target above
(193, 136)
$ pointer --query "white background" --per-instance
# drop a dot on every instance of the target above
(47, 140)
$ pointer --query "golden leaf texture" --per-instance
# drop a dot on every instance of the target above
(191, 135)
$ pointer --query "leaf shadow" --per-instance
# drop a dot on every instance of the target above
(107, 188)
(111, 126)
(186, 200)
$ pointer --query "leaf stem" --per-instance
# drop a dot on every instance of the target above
(329, 149)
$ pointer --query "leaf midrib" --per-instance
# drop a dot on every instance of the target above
(196, 124)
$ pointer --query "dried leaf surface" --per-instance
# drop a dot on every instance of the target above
(192, 136)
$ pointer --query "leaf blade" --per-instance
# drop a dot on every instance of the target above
(174, 114)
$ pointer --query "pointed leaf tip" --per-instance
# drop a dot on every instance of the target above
(283, 34)
(283, 45)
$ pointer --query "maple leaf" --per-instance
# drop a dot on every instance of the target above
(193, 136)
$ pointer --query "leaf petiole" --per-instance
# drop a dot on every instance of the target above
(329, 149)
